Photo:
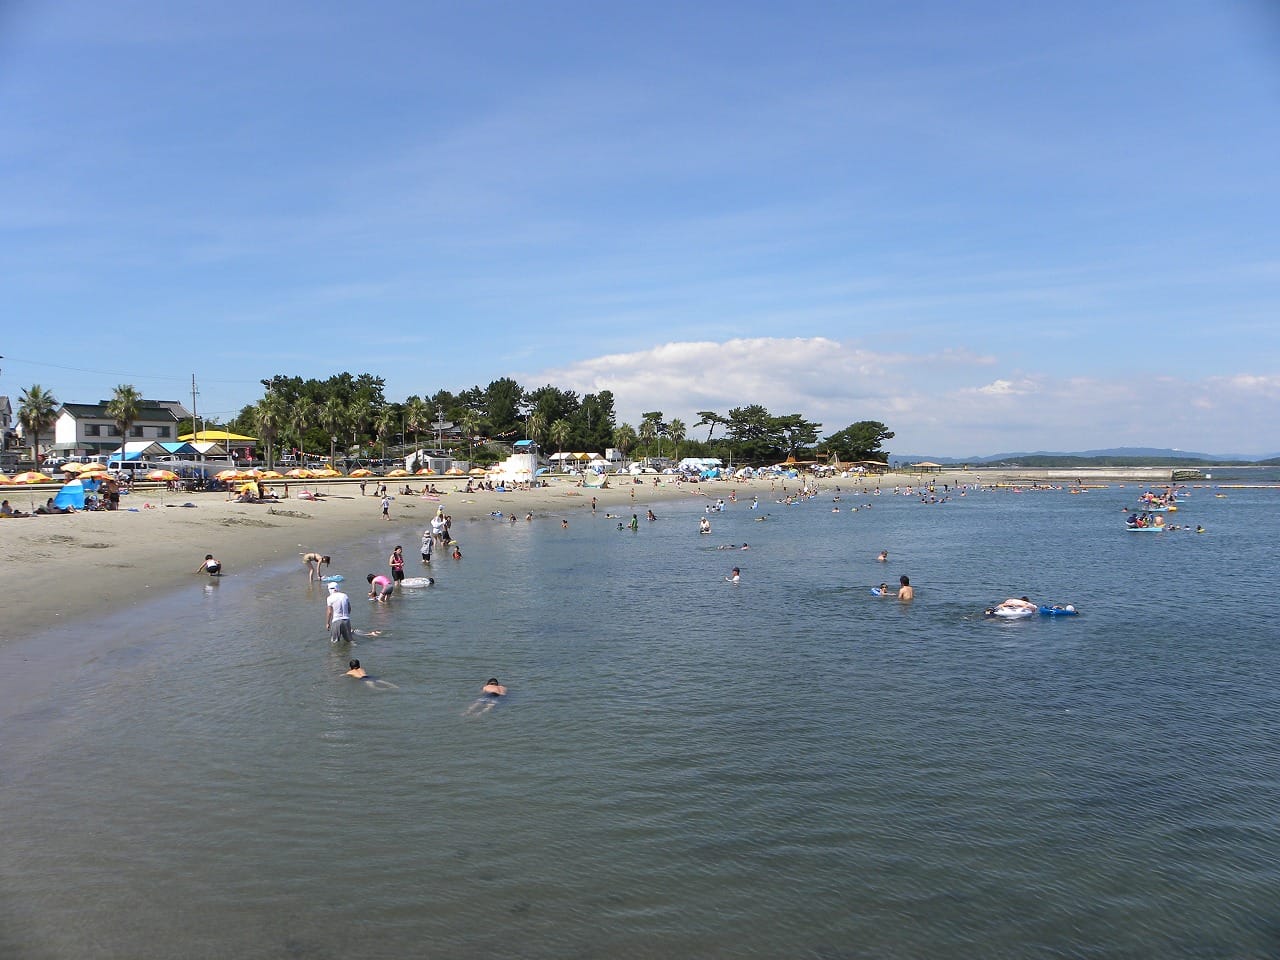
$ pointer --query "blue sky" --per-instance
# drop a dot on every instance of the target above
(993, 226)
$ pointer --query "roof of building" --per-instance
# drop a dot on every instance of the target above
(147, 410)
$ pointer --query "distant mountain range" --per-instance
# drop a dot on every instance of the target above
(1112, 456)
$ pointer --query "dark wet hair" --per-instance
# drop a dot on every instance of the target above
(493, 681)
(208, 556)
(904, 580)
(354, 664)
(736, 570)
(369, 578)
(325, 558)
(398, 547)
(1028, 599)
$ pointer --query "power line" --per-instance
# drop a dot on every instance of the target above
(126, 376)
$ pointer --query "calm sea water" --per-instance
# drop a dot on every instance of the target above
(787, 767)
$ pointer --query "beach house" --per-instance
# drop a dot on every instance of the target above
(86, 429)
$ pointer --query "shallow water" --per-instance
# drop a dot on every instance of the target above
(684, 767)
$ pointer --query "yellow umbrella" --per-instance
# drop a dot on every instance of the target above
(5, 478)
(162, 475)
(361, 472)
(272, 475)
(299, 473)
(426, 472)
(228, 474)
(478, 471)
(456, 472)
(31, 476)
(74, 467)
(398, 472)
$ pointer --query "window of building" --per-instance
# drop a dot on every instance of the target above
(93, 429)
(135, 432)
(162, 431)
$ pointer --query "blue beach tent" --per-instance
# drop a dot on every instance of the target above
(71, 495)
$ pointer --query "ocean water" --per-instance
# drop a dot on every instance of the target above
(684, 767)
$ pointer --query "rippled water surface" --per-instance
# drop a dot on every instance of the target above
(684, 767)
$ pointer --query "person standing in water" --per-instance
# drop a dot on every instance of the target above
(337, 615)
(396, 562)
(905, 591)
(314, 562)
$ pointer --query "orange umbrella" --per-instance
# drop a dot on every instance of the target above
(31, 476)
(272, 475)
(299, 473)
(74, 467)
(426, 472)
(228, 474)
(398, 472)
(361, 472)
(5, 478)
(162, 475)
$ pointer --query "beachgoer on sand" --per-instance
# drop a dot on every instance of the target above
(209, 566)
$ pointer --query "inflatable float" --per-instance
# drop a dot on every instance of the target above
(1058, 610)
(1011, 613)
(417, 581)
(336, 578)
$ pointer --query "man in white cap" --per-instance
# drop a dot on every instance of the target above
(337, 615)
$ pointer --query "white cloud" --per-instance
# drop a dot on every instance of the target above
(944, 402)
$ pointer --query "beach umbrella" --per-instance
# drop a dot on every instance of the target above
(298, 473)
(5, 478)
(456, 472)
(398, 472)
(32, 476)
(361, 472)
(162, 475)
(74, 467)
(228, 474)
(478, 471)
(426, 472)
(272, 475)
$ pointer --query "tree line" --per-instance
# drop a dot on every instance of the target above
(350, 416)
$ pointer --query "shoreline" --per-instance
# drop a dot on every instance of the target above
(155, 542)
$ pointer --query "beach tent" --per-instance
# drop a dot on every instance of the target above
(71, 495)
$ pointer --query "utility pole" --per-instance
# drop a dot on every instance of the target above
(194, 392)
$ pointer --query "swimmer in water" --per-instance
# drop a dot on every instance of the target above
(884, 556)
(488, 698)
(358, 672)
(735, 576)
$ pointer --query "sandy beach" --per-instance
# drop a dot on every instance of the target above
(113, 560)
(155, 542)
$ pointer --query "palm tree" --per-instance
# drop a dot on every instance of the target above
(675, 430)
(536, 427)
(559, 432)
(334, 419)
(624, 437)
(269, 416)
(416, 416)
(300, 416)
(123, 409)
(361, 413)
(470, 421)
(37, 412)
(647, 432)
(384, 426)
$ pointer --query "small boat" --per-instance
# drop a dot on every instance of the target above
(1150, 528)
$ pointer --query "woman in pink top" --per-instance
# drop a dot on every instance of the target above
(379, 587)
